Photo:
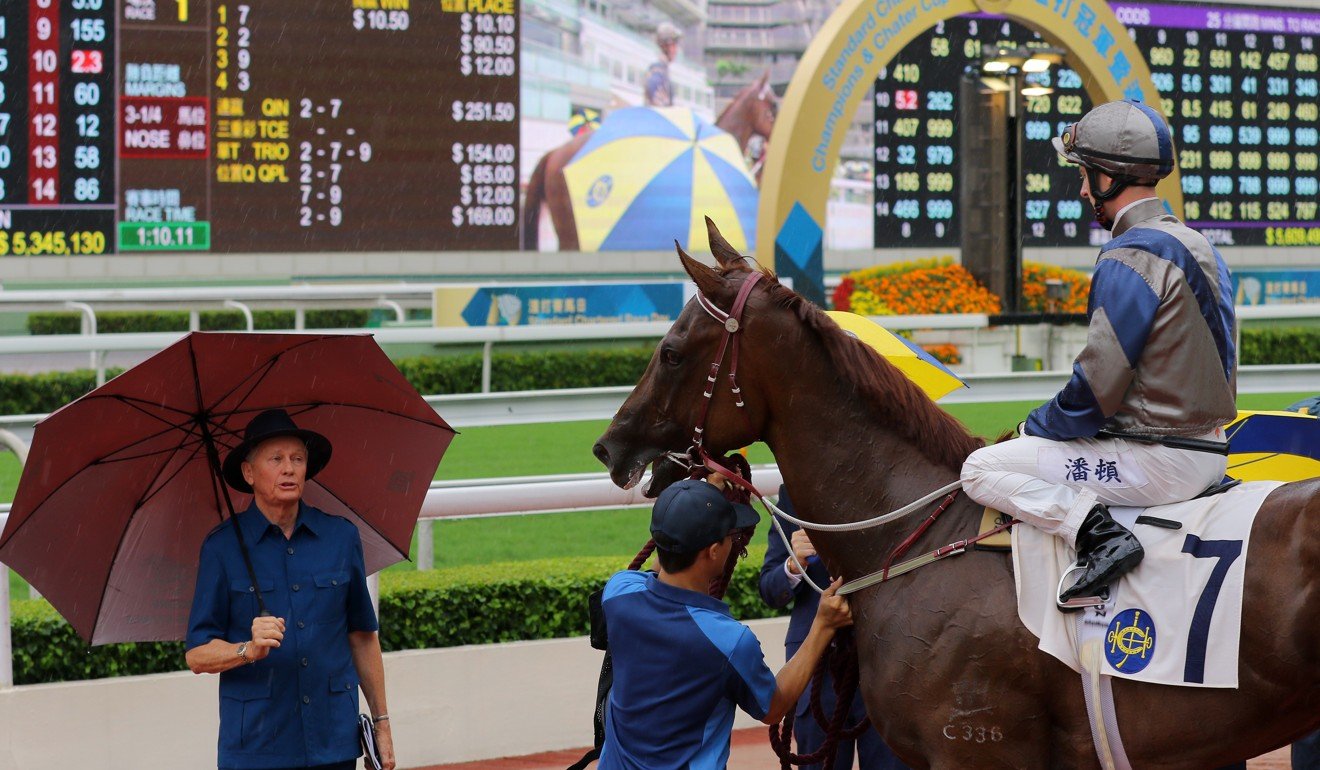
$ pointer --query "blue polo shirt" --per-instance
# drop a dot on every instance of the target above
(298, 706)
(681, 665)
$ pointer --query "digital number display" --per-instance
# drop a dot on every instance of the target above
(1239, 86)
(258, 125)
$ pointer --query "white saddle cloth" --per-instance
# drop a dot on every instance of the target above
(1176, 618)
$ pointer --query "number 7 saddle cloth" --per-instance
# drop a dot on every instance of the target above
(1175, 619)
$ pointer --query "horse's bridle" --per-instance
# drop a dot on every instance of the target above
(697, 456)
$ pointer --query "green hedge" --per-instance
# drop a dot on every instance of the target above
(177, 321)
(503, 602)
(431, 375)
(1280, 346)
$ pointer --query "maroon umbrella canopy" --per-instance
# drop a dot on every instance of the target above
(119, 491)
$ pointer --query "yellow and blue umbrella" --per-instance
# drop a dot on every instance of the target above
(1273, 446)
(648, 177)
(920, 366)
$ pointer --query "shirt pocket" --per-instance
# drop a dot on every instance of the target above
(243, 603)
(343, 705)
(330, 601)
(245, 713)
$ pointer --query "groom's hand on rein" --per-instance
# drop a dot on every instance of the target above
(833, 612)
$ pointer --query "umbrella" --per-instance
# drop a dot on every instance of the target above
(122, 485)
(1277, 446)
(647, 173)
(921, 367)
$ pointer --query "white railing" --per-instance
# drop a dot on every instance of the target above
(459, 500)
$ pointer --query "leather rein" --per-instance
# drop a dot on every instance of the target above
(697, 456)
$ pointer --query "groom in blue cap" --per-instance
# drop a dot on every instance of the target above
(681, 662)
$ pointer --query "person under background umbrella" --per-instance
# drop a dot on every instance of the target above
(122, 486)
(646, 174)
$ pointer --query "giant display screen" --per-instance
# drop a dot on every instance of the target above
(258, 125)
(1238, 85)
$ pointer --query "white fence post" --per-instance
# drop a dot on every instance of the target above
(425, 545)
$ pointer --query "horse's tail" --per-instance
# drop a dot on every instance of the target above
(531, 223)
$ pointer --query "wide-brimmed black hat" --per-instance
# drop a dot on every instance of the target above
(274, 423)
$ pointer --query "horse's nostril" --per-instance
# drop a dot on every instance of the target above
(601, 454)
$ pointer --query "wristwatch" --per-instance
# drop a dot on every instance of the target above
(242, 652)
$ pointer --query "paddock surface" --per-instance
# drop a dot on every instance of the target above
(751, 751)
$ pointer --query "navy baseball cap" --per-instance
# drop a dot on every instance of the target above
(693, 514)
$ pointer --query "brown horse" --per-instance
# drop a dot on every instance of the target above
(751, 113)
(950, 676)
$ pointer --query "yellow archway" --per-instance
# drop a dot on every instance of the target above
(860, 38)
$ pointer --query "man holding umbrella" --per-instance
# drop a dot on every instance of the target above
(293, 643)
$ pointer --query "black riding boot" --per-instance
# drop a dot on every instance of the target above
(1108, 549)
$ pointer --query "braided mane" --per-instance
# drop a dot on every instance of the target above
(880, 385)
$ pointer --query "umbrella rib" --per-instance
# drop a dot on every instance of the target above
(161, 487)
(168, 450)
(96, 617)
(264, 369)
(313, 404)
(361, 518)
(99, 461)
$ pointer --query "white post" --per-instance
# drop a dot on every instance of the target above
(300, 318)
(425, 544)
(485, 366)
(399, 314)
(244, 309)
(373, 588)
(89, 328)
(194, 320)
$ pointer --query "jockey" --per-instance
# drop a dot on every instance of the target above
(659, 89)
(1159, 363)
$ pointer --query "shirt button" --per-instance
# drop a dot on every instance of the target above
(300, 624)
(290, 551)
(334, 582)
(251, 589)
(295, 586)
(306, 699)
(304, 662)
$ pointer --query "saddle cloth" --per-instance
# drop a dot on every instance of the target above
(1175, 619)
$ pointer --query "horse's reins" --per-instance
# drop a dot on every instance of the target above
(732, 323)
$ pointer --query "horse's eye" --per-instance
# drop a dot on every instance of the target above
(670, 357)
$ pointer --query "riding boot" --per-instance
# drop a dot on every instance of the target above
(1107, 548)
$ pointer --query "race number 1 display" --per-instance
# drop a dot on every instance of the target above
(258, 125)
(1238, 86)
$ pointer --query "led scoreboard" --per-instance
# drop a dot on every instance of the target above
(258, 125)
(1239, 87)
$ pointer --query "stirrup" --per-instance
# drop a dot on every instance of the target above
(1078, 602)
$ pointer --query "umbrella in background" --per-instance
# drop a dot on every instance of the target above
(647, 174)
(122, 485)
(921, 367)
(1277, 446)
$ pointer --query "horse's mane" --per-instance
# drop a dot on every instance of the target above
(881, 385)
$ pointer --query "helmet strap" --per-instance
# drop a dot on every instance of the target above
(1101, 196)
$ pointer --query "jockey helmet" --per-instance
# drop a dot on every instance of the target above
(667, 33)
(1127, 140)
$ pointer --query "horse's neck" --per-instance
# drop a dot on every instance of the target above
(730, 121)
(841, 464)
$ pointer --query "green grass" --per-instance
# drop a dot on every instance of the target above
(550, 448)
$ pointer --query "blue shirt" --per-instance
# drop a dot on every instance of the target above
(681, 665)
(298, 706)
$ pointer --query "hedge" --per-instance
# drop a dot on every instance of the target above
(431, 375)
(502, 602)
(177, 321)
(1270, 345)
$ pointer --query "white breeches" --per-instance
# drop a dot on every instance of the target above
(1052, 485)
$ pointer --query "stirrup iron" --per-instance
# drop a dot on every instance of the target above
(1078, 602)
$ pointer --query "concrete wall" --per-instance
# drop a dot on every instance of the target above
(449, 705)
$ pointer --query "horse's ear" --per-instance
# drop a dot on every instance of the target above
(725, 254)
(707, 280)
